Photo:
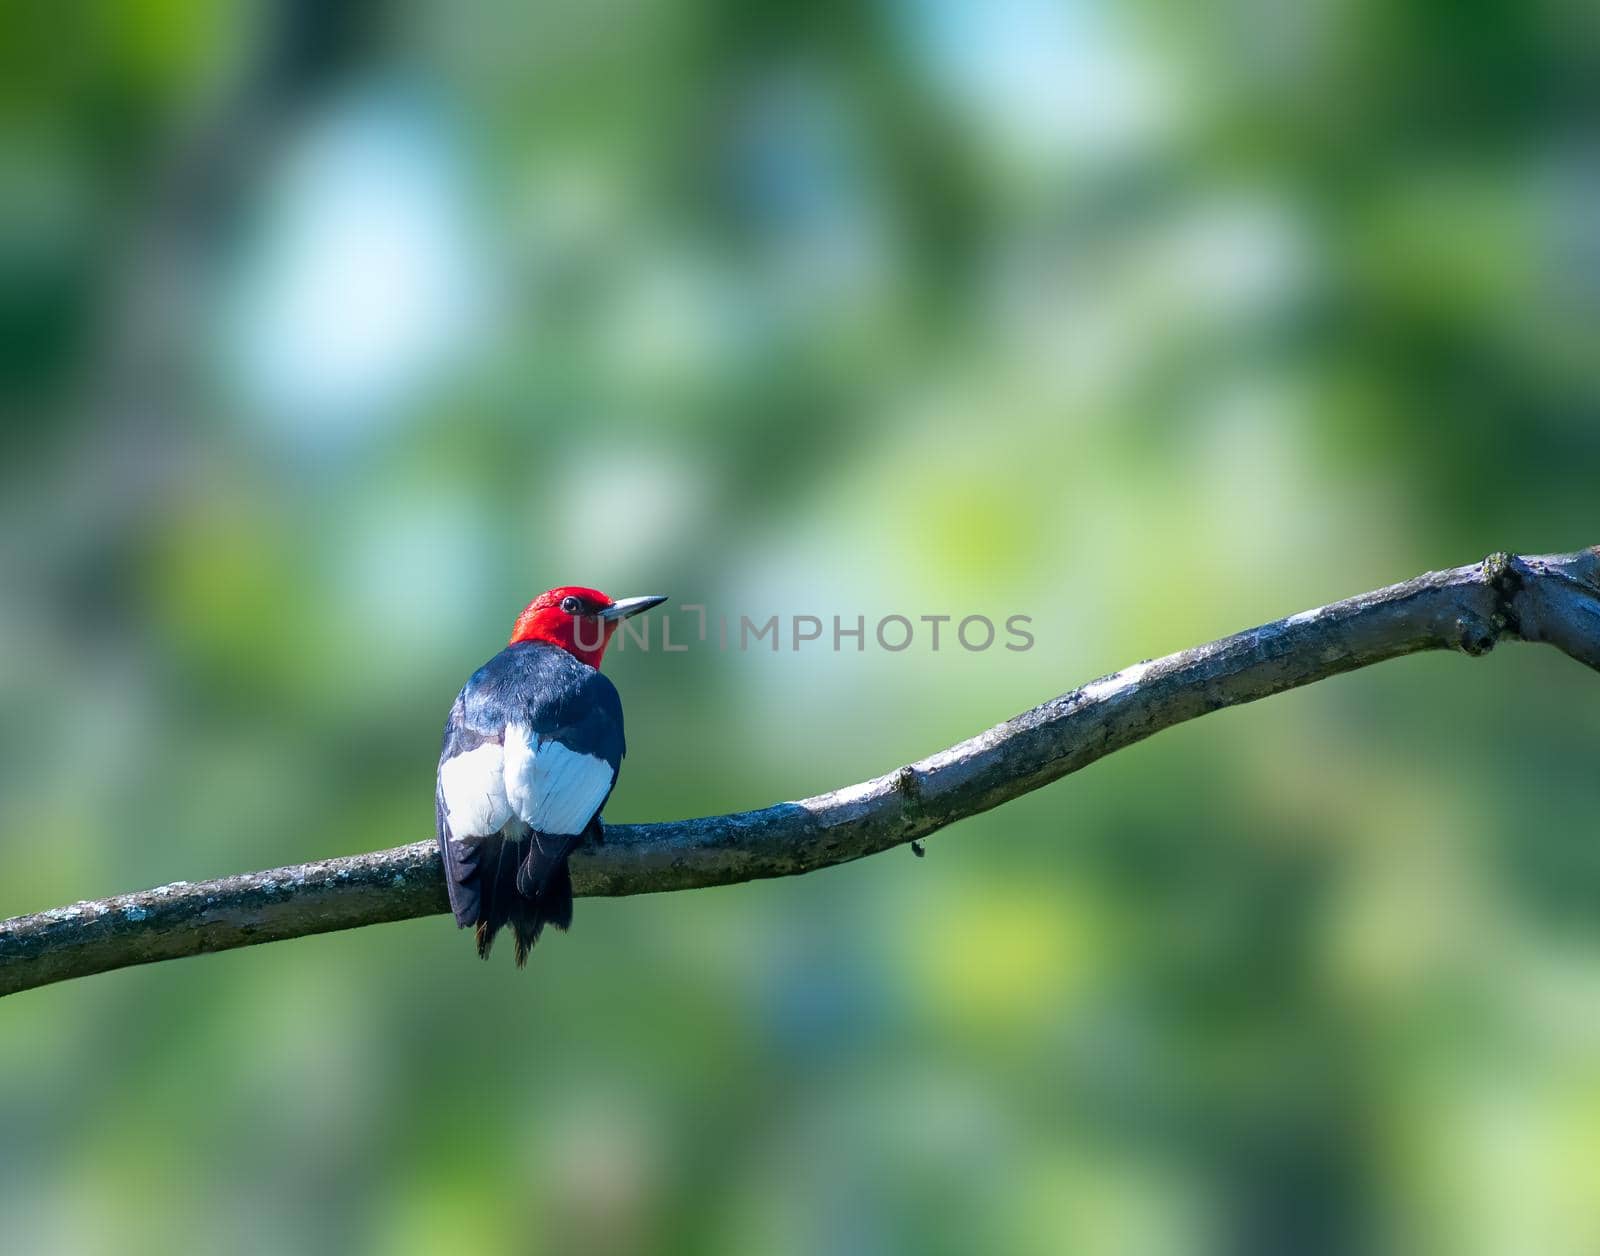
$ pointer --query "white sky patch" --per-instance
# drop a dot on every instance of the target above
(622, 510)
(411, 574)
(363, 285)
(665, 324)
(1055, 78)
(1244, 256)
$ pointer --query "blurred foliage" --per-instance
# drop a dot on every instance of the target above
(331, 333)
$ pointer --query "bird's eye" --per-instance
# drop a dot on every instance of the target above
(572, 605)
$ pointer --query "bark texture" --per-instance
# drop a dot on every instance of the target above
(1553, 599)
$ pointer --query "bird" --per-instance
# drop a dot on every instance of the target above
(532, 748)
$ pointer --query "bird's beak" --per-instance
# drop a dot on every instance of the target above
(625, 607)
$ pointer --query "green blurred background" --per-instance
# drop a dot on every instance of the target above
(331, 333)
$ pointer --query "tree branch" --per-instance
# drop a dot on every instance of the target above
(1552, 599)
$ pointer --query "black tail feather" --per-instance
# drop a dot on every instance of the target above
(524, 883)
(496, 882)
(556, 902)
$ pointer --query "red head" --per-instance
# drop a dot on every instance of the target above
(577, 619)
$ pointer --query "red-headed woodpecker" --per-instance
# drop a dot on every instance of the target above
(531, 752)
